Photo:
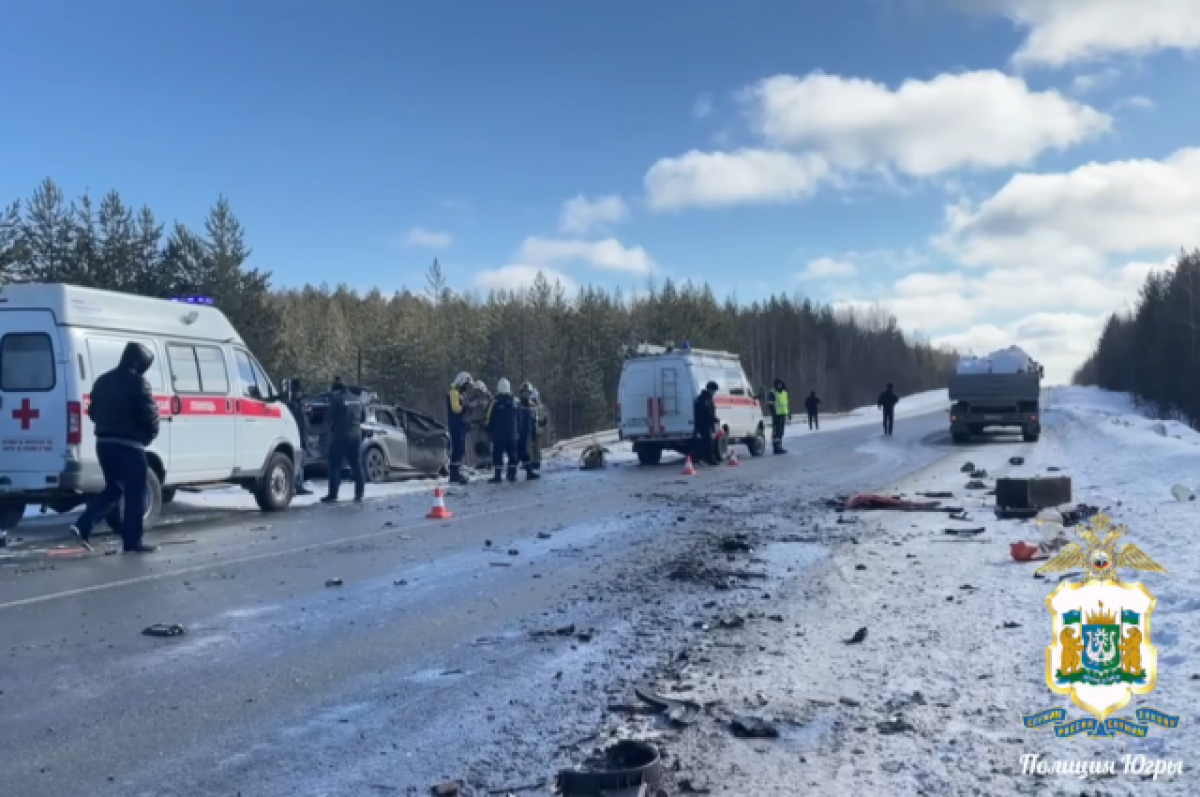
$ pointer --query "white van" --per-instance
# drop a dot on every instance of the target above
(220, 420)
(659, 386)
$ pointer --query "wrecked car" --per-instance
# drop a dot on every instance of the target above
(397, 441)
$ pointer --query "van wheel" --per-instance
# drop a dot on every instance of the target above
(154, 503)
(960, 437)
(374, 465)
(278, 484)
(11, 514)
(1031, 437)
(757, 445)
(649, 455)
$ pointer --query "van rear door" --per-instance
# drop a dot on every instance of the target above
(33, 401)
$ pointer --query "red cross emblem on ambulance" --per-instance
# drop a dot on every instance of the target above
(26, 413)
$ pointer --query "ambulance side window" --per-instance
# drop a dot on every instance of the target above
(245, 372)
(105, 354)
(27, 362)
(185, 373)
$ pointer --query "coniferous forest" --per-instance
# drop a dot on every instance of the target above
(409, 345)
(1153, 350)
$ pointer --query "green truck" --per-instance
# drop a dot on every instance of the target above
(984, 399)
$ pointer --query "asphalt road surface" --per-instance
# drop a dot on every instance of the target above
(419, 668)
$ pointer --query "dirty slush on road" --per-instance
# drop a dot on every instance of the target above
(711, 595)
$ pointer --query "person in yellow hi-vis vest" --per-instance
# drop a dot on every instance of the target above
(781, 413)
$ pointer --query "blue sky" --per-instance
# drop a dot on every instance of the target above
(767, 146)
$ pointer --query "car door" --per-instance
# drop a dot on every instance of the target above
(428, 441)
(204, 431)
(257, 419)
(33, 401)
(388, 431)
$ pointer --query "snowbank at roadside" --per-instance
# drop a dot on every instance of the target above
(930, 703)
(909, 407)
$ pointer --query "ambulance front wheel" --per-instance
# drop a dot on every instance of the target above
(757, 444)
(154, 502)
(278, 484)
(648, 454)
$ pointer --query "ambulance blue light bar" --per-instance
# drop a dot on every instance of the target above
(206, 300)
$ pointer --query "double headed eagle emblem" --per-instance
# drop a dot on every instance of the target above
(1098, 553)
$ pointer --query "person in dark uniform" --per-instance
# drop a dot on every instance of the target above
(295, 406)
(503, 427)
(704, 413)
(126, 417)
(458, 420)
(527, 431)
(812, 406)
(345, 441)
(887, 402)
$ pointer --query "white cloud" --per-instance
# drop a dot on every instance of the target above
(718, 179)
(1059, 341)
(428, 239)
(1135, 102)
(1086, 83)
(702, 108)
(826, 268)
(1077, 220)
(925, 283)
(608, 254)
(1067, 31)
(581, 215)
(519, 276)
(980, 119)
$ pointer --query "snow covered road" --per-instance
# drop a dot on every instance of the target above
(931, 702)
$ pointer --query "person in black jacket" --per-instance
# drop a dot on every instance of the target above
(527, 431)
(345, 441)
(504, 428)
(295, 405)
(887, 402)
(705, 416)
(126, 418)
(812, 406)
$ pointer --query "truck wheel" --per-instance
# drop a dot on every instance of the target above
(154, 503)
(375, 467)
(168, 495)
(278, 484)
(649, 455)
(960, 437)
(11, 514)
(1031, 437)
(757, 444)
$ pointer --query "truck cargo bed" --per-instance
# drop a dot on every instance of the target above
(994, 388)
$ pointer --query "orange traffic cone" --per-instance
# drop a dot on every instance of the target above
(733, 460)
(688, 468)
(439, 511)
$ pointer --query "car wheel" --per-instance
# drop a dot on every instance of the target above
(154, 502)
(11, 513)
(278, 484)
(757, 445)
(649, 455)
(375, 467)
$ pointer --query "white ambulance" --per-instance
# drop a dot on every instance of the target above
(657, 395)
(221, 422)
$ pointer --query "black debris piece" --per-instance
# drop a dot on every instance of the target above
(680, 712)
(753, 728)
(1016, 460)
(894, 726)
(975, 484)
(1008, 513)
(627, 766)
(735, 544)
(937, 494)
(968, 467)
(979, 474)
(400, 582)
(161, 629)
(858, 637)
(448, 789)
(860, 567)
(1082, 512)
(543, 535)
(965, 532)
(1010, 624)
(513, 552)
(333, 582)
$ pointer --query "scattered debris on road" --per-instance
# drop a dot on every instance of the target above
(966, 532)
(680, 712)
(333, 582)
(164, 630)
(753, 728)
(858, 637)
(626, 768)
(1016, 460)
